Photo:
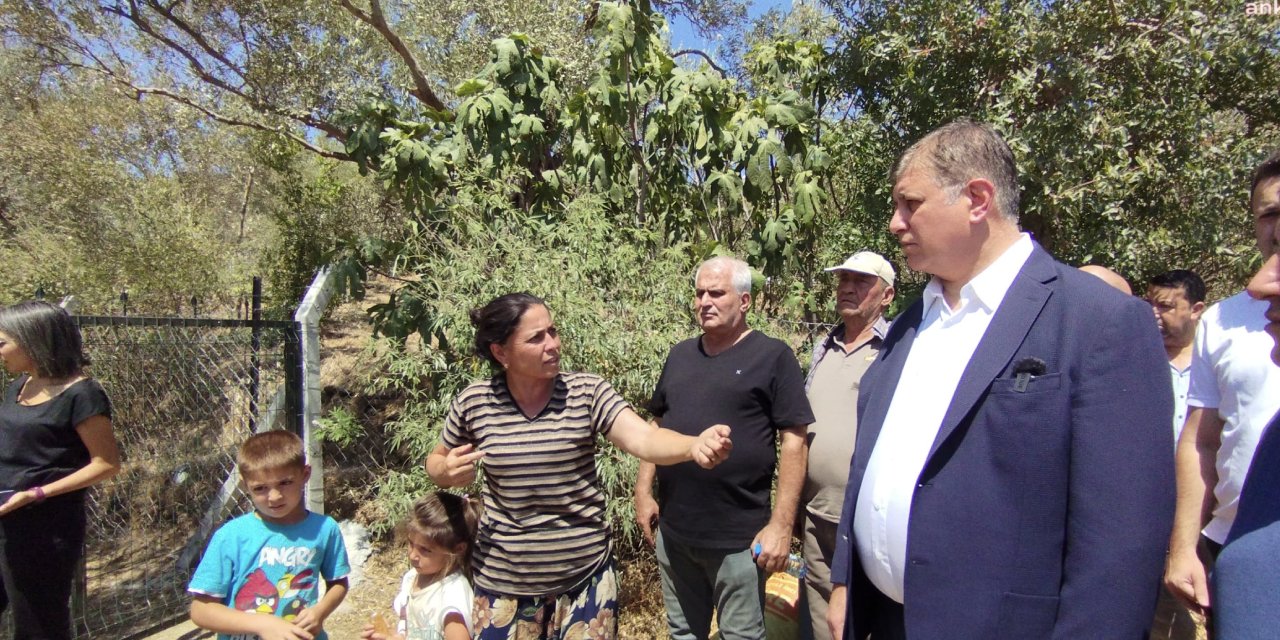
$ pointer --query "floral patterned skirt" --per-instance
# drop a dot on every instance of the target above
(588, 612)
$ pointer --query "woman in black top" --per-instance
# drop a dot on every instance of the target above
(55, 442)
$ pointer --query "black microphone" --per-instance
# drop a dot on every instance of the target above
(1026, 369)
(1033, 366)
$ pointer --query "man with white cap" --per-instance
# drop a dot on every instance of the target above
(863, 293)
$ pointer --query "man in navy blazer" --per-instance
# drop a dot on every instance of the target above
(1013, 474)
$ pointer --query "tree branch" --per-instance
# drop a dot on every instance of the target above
(388, 275)
(67, 52)
(197, 67)
(244, 203)
(378, 21)
(1159, 27)
(225, 119)
(706, 57)
(140, 91)
(193, 61)
(198, 38)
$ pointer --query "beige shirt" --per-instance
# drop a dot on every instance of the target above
(833, 395)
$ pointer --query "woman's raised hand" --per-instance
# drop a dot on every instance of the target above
(459, 468)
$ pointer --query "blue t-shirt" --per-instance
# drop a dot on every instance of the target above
(253, 565)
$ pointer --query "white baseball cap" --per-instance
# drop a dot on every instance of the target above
(868, 263)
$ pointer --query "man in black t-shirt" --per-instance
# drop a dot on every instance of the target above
(717, 536)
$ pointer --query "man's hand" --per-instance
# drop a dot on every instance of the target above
(457, 467)
(647, 516)
(836, 611)
(273, 628)
(712, 447)
(1185, 577)
(774, 543)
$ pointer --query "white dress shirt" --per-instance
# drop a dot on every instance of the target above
(1181, 385)
(943, 345)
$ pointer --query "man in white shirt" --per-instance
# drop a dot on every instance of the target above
(1177, 300)
(1012, 476)
(1246, 575)
(1235, 390)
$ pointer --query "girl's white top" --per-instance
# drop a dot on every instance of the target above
(421, 611)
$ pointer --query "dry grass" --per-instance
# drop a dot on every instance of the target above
(344, 335)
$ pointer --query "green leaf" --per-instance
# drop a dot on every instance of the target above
(760, 173)
(471, 87)
(526, 125)
(505, 54)
(809, 197)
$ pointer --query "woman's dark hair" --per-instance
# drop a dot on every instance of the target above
(495, 321)
(48, 336)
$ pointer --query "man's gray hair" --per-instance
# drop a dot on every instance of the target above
(961, 151)
(739, 271)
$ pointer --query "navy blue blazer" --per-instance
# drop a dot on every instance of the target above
(1246, 577)
(1043, 512)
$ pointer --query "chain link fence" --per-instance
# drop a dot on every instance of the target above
(185, 394)
(367, 455)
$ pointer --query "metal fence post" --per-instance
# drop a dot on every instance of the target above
(254, 359)
(293, 381)
(308, 319)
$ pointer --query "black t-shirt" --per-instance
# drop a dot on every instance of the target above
(756, 387)
(39, 443)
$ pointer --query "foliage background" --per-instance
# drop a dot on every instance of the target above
(467, 149)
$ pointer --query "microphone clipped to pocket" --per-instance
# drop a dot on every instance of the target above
(1026, 369)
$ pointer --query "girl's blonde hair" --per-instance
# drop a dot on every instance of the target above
(446, 520)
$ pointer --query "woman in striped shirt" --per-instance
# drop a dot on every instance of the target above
(543, 565)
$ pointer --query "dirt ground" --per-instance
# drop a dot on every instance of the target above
(641, 613)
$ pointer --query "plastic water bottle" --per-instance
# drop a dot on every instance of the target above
(795, 564)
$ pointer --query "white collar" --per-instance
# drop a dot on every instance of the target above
(989, 287)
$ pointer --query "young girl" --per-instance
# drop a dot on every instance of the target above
(435, 596)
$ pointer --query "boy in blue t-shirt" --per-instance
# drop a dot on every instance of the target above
(272, 560)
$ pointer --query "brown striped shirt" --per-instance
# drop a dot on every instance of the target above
(544, 527)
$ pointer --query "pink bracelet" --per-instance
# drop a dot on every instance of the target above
(39, 491)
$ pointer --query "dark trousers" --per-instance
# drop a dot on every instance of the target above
(888, 622)
(40, 547)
